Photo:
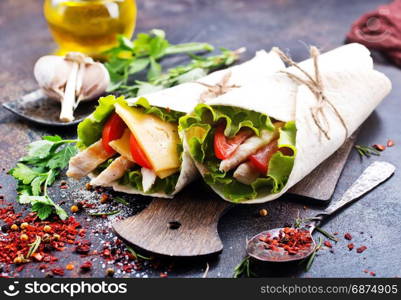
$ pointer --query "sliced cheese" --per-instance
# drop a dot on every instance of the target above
(157, 138)
(166, 173)
(122, 146)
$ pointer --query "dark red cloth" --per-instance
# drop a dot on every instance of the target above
(380, 30)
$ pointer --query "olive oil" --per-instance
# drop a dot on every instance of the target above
(89, 26)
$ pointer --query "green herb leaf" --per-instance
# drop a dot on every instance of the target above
(135, 254)
(45, 160)
(366, 151)
(34, 246)
(243, 268)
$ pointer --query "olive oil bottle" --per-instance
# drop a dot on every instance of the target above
(89, 26)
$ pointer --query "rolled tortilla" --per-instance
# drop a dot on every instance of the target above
(184, 97)
(351, 84)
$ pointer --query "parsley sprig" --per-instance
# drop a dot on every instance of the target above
(39, 169)
(146, 51)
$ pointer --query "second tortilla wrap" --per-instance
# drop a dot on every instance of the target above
(350, 83)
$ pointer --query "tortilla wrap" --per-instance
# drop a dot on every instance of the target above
(183, 98)
(350, 83)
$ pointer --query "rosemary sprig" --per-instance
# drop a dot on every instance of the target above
(367, 151)
(326, 234)
(311, 258)
(34, 246)
(135, 254)
(243, 268)
(110, 213)
(121, 200)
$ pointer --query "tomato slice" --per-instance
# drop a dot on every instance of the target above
(112, 130)
(260, 160)
(137, 153)
(224, 147)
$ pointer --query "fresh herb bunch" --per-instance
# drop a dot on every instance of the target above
(243, 268)
(39, 169)
(130, 57)
(144, 53)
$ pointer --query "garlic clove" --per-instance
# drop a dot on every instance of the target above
(51, 72)
(95, 82)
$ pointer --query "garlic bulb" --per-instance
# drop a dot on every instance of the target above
(70, 80)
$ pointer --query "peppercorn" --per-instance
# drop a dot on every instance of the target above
(5, 228)
(110, 272)
(74, 209)
(47, 228)
(24, 237)
(104, 198)
(263, 212)
(14, 227)
(46, 238)
(18, 260)
(24, 225)
(56, 236)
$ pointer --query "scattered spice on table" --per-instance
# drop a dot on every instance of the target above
(328, 244)
(379, 147)
(390, 143)
(361, 249)
(348, 236)
(263, 212)
(372, 273)
(350, 246)
(291, 240)
(86, 266)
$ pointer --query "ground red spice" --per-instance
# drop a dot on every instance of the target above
(58, 271)
(13, 246)
(379, 147)
(292, 240)
(361, 249)
(328, 244)
(86, 266)
(390, 143)
(348, 236)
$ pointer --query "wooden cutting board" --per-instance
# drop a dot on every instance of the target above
(187, 224)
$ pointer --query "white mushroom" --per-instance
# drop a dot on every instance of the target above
(71, 79)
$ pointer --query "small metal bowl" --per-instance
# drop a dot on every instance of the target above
(38, 108)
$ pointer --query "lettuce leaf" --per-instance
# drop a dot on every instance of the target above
(199, 130)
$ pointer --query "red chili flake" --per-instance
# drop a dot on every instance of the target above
(348, 236)
(379, 147)
(58, 271)
(291, 240)
(163, 275)
(37, 256)
(361, 249)
(83, 247)
(86, 266)
(372, 273)
(328, 244)
(390, 143)
(350, 246)
(43, 267)
(365, 271)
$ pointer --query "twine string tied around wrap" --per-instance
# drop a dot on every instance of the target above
(217, 89)
(315, 85)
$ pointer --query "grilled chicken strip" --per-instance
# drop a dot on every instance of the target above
(246, 173)
(148, 179)
(114, 171)
(88, 160)
(250, 146)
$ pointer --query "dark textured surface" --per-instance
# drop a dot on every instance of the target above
(289, 24)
